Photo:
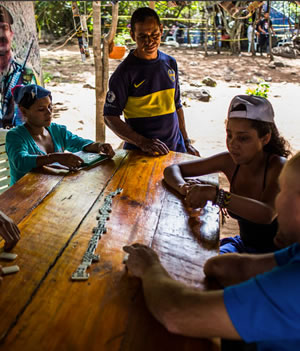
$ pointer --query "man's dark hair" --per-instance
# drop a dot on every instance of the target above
(141, 14)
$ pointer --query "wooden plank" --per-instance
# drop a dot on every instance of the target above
(4, 182)
(2, 148)
(101, 313)
(3, 133)
(4, 188)
(46, 231)
(4, 172)
(4, 163)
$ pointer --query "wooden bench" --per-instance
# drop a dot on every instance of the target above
(4, 165)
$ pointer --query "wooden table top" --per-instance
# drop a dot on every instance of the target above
(41, 308)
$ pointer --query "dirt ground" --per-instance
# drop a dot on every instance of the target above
(73, 93)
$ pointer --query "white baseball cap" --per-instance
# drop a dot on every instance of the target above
(251, 107)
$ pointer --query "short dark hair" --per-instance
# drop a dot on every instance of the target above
(141, 14)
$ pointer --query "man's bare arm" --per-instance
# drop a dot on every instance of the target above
(181, 309)
(190, 149)
(125, 132)
(230, 269)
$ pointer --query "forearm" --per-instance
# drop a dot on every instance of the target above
(181, 122)
(173, 177)
(46, 159)
(250, 209)
(93, 147)
(186, 311)
(123, 130)
(231, 269)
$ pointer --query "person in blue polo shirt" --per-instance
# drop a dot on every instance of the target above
(259, 302)
(145, 88)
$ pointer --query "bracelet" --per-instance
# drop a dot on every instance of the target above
(187, 141)
(222, 198)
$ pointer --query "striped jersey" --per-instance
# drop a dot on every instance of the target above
(147, 92)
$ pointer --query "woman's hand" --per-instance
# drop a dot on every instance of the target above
(106, 149)
(198, 194)
(9, 231)
(67, 159)
(100, 148)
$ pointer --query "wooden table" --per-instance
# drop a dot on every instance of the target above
(41, 308)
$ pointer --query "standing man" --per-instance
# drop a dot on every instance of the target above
(264, 33)
(145, 87)
(9, 113)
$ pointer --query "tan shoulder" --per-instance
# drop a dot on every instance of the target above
(277, 162)
(275, 166)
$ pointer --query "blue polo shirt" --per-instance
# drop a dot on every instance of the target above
(266, 308)
(147, 92)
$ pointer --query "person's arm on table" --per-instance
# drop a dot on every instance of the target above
(9, 232)
(182, 310)
(174, 175)
(66, 159)
(189, 147)
(125, 132)
(230, 269)
(97, 147)
(258, 211)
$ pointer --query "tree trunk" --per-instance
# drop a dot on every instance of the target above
(234, 32)
(101, 63)
(217, 47)
(270, 35)
(24, 29)
(206, 31)
(254, 19)
(239, 37)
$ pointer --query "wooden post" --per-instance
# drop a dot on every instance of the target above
(100, 126)
(270, 32)
(101, 63)
(152, 4)
(206, 31)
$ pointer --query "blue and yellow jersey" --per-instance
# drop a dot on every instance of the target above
(147, 92)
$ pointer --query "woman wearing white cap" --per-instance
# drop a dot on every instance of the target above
(255, 157)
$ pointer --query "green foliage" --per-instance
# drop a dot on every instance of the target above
(47, 77)
(56, 18)
(262, 89)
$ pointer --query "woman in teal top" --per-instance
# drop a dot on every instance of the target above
(38, 142)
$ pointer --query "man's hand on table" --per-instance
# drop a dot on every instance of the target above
(140, 259)
(9, 231)
(191, 150)
(153, 147)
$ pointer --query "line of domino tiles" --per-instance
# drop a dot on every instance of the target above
(89, 256)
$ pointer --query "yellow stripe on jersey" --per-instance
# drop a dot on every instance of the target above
(155, 104)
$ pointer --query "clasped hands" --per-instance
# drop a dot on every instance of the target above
(197, 193)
